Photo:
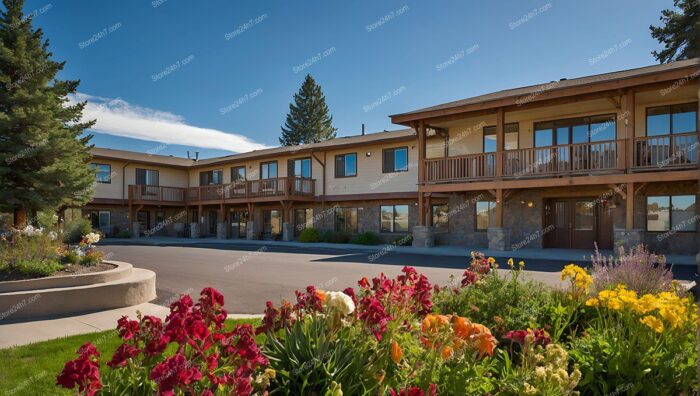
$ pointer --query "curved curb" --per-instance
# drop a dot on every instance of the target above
(137, 288)
(121, 271)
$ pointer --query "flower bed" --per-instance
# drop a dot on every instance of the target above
(35, 252)
(486, 334)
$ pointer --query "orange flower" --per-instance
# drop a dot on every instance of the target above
(321, 294)
(446, 352)
(461, 326)
(396, 352)
(485, 343)
(432, 323)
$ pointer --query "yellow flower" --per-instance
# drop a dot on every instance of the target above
(491, 260)
(578, 277)
(653, 322)
(592, 302)
(521, 264)
(510, 262)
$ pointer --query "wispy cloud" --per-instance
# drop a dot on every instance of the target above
(120, 118)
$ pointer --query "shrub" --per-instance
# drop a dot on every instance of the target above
(310, 235)
(31, 252)
(122, 234)
(406, 240)
(367, 238)
(638, 269)
(91, 258)
(37, 269)
(336, 237)
(71, 257)
(75, 230)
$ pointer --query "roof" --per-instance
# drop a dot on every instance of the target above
(340, 142)
(558, 85)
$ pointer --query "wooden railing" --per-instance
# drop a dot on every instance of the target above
(666, 151)
(157, 193)
(471, 166)
(557, 160)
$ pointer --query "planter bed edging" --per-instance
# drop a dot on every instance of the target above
(121, 271)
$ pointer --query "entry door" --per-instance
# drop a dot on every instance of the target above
(212, 220)
(575, 223)
(239, 219)
(144, 220)
(272, 223)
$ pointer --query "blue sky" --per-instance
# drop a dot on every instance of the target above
(220, 74)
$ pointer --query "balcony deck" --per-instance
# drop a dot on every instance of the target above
(280, 188)
(657, 153)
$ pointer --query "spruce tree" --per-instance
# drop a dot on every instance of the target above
(44, 160)
(308, 120)
(680, 33)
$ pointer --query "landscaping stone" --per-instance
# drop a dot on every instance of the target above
(220, 230)
(135, 229)
(194, 230)
(287, 232)
(423, 236)
(499, 238)
(251, 231)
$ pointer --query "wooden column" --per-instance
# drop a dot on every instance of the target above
(421, 171)
(500, 140)
(499, 208)
(428, 211)
(628, 150)
(629, 207)
(199, 214)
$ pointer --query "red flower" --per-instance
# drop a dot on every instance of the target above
(83, 371)
(123, 353)
(211, 297)
(128, 329)
(174, 371)
(374, 316)
(469, 277)
(536, 337)
(415, 391)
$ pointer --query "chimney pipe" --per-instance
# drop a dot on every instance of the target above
(363, 129)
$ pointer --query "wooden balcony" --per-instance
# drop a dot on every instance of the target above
(658, 153)
(252, 190)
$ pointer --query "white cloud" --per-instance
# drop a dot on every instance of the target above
(120, 118)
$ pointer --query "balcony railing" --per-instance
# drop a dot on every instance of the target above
(156, 193)
(679, 151)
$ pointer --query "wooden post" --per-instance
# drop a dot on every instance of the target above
(629, 148)
(500, 140)
(421, 171)
(629, 207)
(499, 208)
(199, 214)
(428, 211)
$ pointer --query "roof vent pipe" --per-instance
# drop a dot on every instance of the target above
(363, 129)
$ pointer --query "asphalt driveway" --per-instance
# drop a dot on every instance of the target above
(250, 275)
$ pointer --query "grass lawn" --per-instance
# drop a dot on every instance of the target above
(32, 369)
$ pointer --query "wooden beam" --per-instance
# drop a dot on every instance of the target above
(421, 214)
(499, 208)
(614, 101)
(629, 207)
(428, 210)
(500, 139)
(421, 152)
(639, 188)
(628, 156)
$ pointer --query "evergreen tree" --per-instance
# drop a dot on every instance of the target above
(680, 33)
(44, 161)
(308, 120)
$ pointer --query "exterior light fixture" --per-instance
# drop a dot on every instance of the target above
(530, 204)
(368, 154)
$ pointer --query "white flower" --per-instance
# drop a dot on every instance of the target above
(79, 252)
(53, 235)
(30, 231)
(340, 301)
(92, 238)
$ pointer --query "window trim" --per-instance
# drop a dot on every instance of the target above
(109, 176)
(476, 218)
(393, 219)
(670, 214)
(432, 217)
(393, 150)
(335, 164)
(277, 170)
(670, 118)
(554, 128)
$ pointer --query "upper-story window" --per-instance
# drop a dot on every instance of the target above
(268, 170)
(668, 120)
(103, 172)
(146, 177)
(346, 165)
(510, 133)
(575, 130)
(209, 178)
(395, 160)
(238, 174)
(300, 167)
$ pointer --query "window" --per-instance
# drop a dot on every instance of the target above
(238, 174)
(100, 220)
(303, 218)
(210, 178)
(393, 218)
(346, 165)
(300, 167)
(268, 170)
(103, 172)
(395, 160)
(440, 217)
(575, 130)
(510, 133)
(346, 220)
(666, 213)
(667, 120)
(272, 222)
(485, 211)
(146, 177)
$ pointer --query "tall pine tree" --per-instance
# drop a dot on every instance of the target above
(308, 120)
(44, 160)
(680, 33)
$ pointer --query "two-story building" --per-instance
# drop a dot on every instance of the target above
(606, 159)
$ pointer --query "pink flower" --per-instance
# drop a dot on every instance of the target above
(469, 277)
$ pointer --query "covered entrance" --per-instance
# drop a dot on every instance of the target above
(578, 223)
(239, 220)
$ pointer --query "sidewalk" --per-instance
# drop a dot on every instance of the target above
(577, 255)
(27, 332)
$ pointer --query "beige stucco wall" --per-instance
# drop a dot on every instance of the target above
(123, 177)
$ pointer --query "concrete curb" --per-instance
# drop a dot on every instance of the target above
(121, 271)
(137, 288)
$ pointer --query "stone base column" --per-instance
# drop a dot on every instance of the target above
(251, 231)
(287, 232)
(499, 238)
(135, 229)
(627, 238)
(423, 236)
(194, 230)
(220, 230)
